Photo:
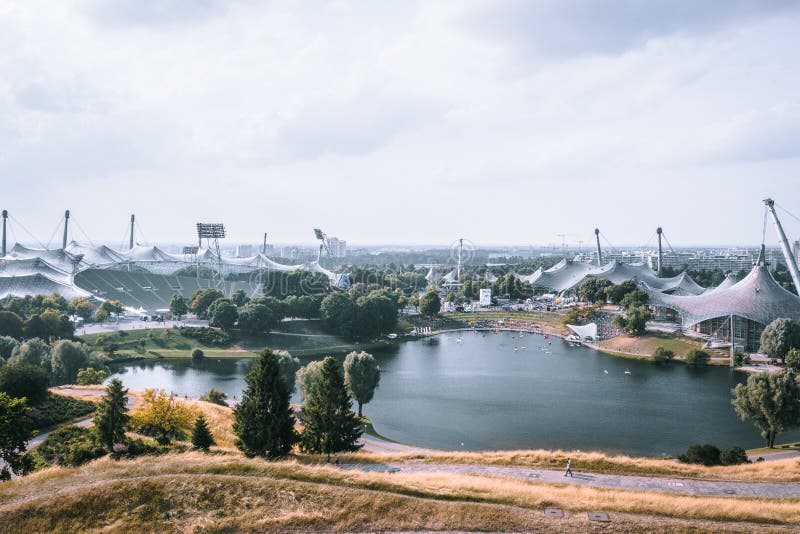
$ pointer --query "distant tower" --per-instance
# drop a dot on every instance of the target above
(659, 231)
(133, 218)
(66, 229)
(264, 247)
(5, 219)
(599, 252)
(460, 250)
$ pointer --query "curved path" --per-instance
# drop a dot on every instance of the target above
(624, 482)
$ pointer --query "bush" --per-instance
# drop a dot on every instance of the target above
(57, 409)
(697, 357)
(707, 455)
(663, 355)
(216, 397)
(740, 359)
(207, 336)
(197, 355)
(163, 417)
(23, 380)
(69, 446)
(89, 376)
(733, 456)
(793, 359)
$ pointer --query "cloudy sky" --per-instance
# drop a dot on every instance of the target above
(401, 122)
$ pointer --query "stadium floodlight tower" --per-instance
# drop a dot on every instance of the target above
(212, 233)
(791, 262)
(5, 221)
(66, 229)
(319, 234)
(599, 252)
(659, 231)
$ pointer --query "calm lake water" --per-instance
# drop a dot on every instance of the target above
(473, 391)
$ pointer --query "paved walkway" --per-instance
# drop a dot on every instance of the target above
(625, 482)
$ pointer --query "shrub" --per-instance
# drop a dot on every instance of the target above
(197, 355)
(793, 359)
(201, 434)
(162, 416)
(663, 355)
(89, 376)
(56, 409)
(733, 456)
(707, 455)
(23, 380)
(697, 357)
(69, 446)
(215, 396)
(207, 336)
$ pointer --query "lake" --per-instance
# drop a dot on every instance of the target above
(476, 391)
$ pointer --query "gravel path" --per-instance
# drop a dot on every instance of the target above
(626, 482)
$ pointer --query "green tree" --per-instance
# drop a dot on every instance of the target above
(779, 337)
(163, 416)
(201, 434)
(707, 455)
(594, 290)
(376, 314)
(263, 420)
(112, 415)
(215, 396)
(16, 429)
(616, 293)
(82, 308)
(634, 321)
(203, 299)
(308, 378)
(733, 456)
(361, 376)
(10, 324)
(634, 299)
(662, 354)
(793, 359)
(430, 303)
(198, 354)
(339, 313)
(178, 306)
(329, 424)
(258, 318)
(89, 376)
(697, 357)
(771, 401)
(32, 352)
(66, 358)
(289, 367)
(223, 314)
(7, 346)
(24, 380)
(239, 298)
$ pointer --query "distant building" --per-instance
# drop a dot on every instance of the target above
(244, 251)
(338, 247)
(486, 297)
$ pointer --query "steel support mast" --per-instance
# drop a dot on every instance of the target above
(787, 250)
(66, 229)
(599, 252)
(659, 231)
(5, 220)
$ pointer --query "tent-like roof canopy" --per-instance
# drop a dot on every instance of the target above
(757, 297)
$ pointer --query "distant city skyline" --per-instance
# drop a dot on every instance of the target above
(504, 122)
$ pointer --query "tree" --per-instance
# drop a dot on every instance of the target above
(263, 420)
(7, 346)
(634, 321)
(89, 376)
(215, 396)
(697, 357)
(201, 434)
(376, 314)
(203, 299)
(339, 313)
(81, 307)
(329, 424)
(178, 306)
(239, 297)
(616, 293)
(779, 337)
(32, 352)
(197, 355)
(793, 359)
(112, 415)
(663, 355)
(361, 375)
(633, 299)
(771, 401)
(257, 318)
(289, 367)
(10, 324)
(430, 303)
(162, 416)
(16, 429)
(308, 378)
(24, 380)
(223, 314)
(66, 358)
(594, 290)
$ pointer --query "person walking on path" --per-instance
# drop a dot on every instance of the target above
(569, 468)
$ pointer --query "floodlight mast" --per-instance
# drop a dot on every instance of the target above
(599, 252)
(319, 234)
(659, 231)
(66, 228)
(787, 250)
(5, 219)
(212, 233)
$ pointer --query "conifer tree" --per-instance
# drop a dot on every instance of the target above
(329, 424)
(201, 434)
(112, 415)
(263, 420)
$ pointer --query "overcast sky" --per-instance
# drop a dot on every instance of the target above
(401, 122)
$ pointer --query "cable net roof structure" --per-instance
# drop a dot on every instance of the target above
(31, 271)
(567, 275)
(730, 280)
(757, 297)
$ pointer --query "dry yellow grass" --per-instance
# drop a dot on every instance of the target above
(194, 491)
